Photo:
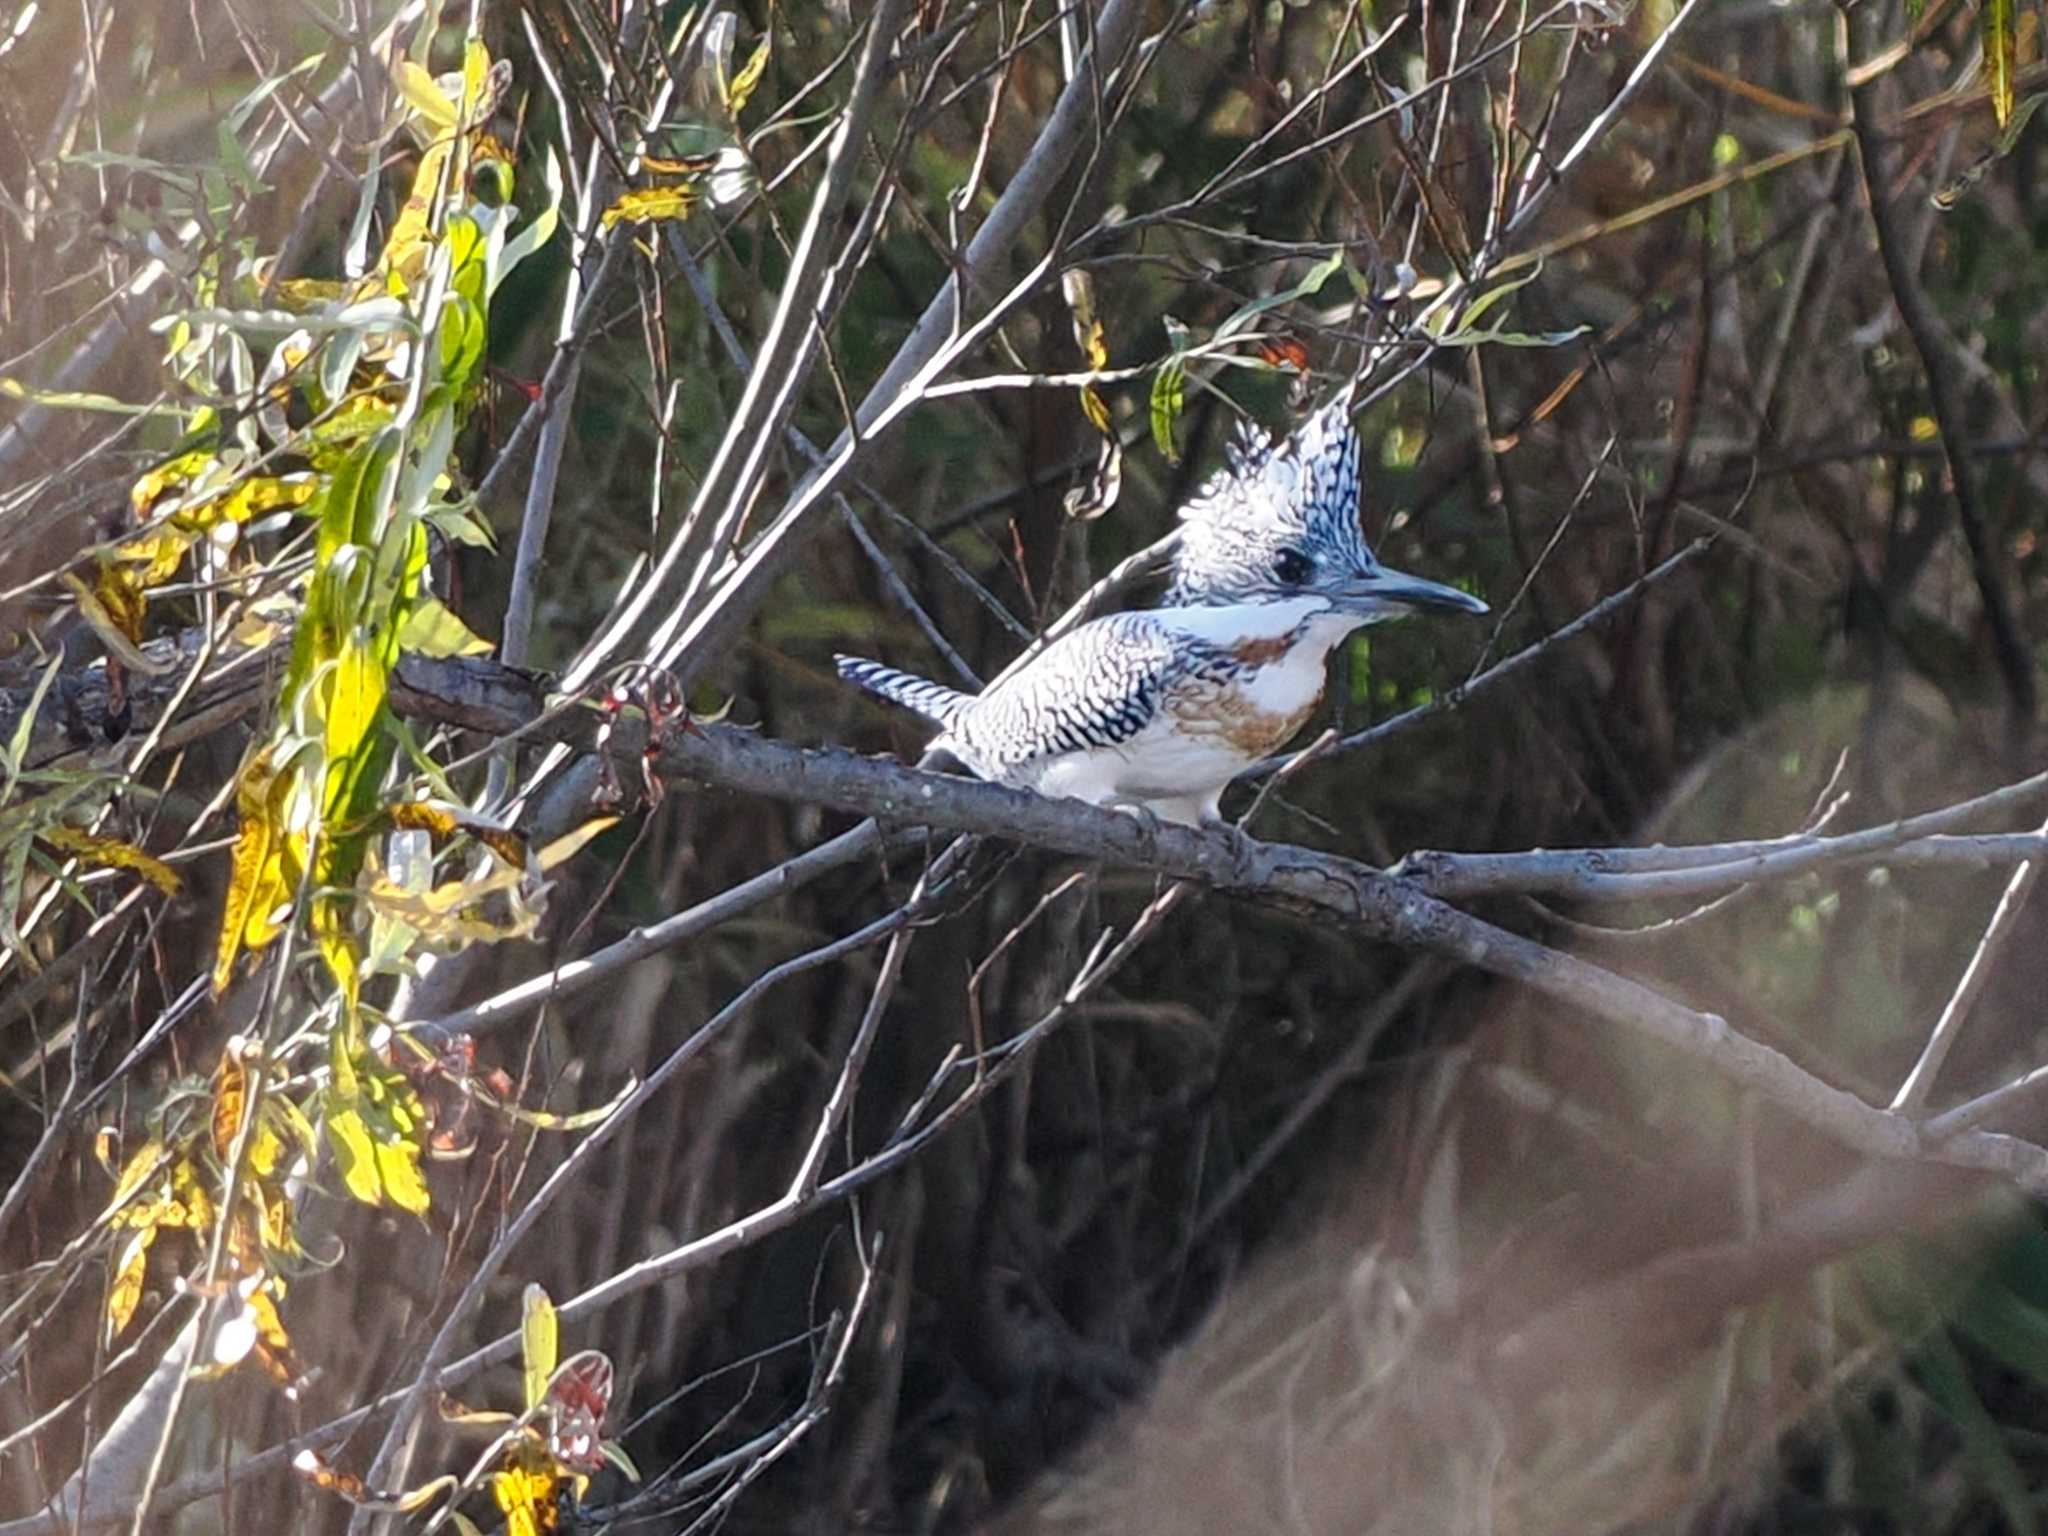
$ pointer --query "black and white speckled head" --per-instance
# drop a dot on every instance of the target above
(1280, 521)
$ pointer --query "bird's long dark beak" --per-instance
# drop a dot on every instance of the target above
(1386, 590)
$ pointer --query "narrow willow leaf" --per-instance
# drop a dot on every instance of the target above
(644, 205)
(355, 1155)
(539, 1342)
(1310, 285)
(112, 853)
(567, 845)
(136, 1172)
(106, 610)
(124, 1294)
(423, 93)
(1169, 396)
(741, 87)
(2001, 32)
(1095, 408)
(24, 728)
(256, 884)
(230, 1096)
(398, 1167)
(80, 400)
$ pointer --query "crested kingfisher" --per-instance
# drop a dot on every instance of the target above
(1163, 707)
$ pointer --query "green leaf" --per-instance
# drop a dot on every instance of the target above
(1475, 311)
(2007, 1327)
(1467, 338)
(24, 728)
(541, 230)
(1309, 286)
(1169, 395)
(81, 400)
(2001, 32)
(1942, 1372)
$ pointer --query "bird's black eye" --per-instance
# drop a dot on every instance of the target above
(1293, 567)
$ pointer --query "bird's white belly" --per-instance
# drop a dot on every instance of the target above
(1163, 761)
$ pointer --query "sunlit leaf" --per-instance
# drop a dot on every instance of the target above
(1099, 492)
(355, 1156)
(317, 1470)
(538, 1336)
(230, 1098)
(423, 93)
(566, 846)
(524, 1490)
(257, 884)
(1311, 284)
(124, 1293)
(421, 816)
(2000, 32)
(107, 608)
(1467, 338)
(1169, 395)
(374, 1124)
(741, 86)
(112, 853)
(1078, 288)
(432, 629)
(1095, 408)
(643, 205)
(80, 400)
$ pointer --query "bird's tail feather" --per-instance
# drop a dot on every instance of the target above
(932, 700)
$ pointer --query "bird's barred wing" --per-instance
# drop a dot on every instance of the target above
(1097, 686)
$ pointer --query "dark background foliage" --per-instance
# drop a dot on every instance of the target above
(1467, 1160)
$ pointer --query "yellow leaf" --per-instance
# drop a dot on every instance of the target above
(76, 400)
(524, 1489)
(538, 1337)
(256, 887)
(645, 205)
(1095, 408)
(230, 1095)
(355, 1156)
(398, 1166)
(162, 1211)
(112, 853)
(1995, 22)
(300, 294)
(356, 688)
(193, 1201)
(104, 1140)
(476, 74)
(566, 846)
(106, 608)
(125, 1293)
(172, 474)
(432, 629)
(424, 95)
(136, 1172)
(437, 821)
(1079, 290)
(334, 936)
(694, 166)
(273, 1344)
(247, 501)
(374, 1125)
(404, 258)
(742, 84)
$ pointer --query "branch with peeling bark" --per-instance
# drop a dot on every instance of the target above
(1324, 887)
